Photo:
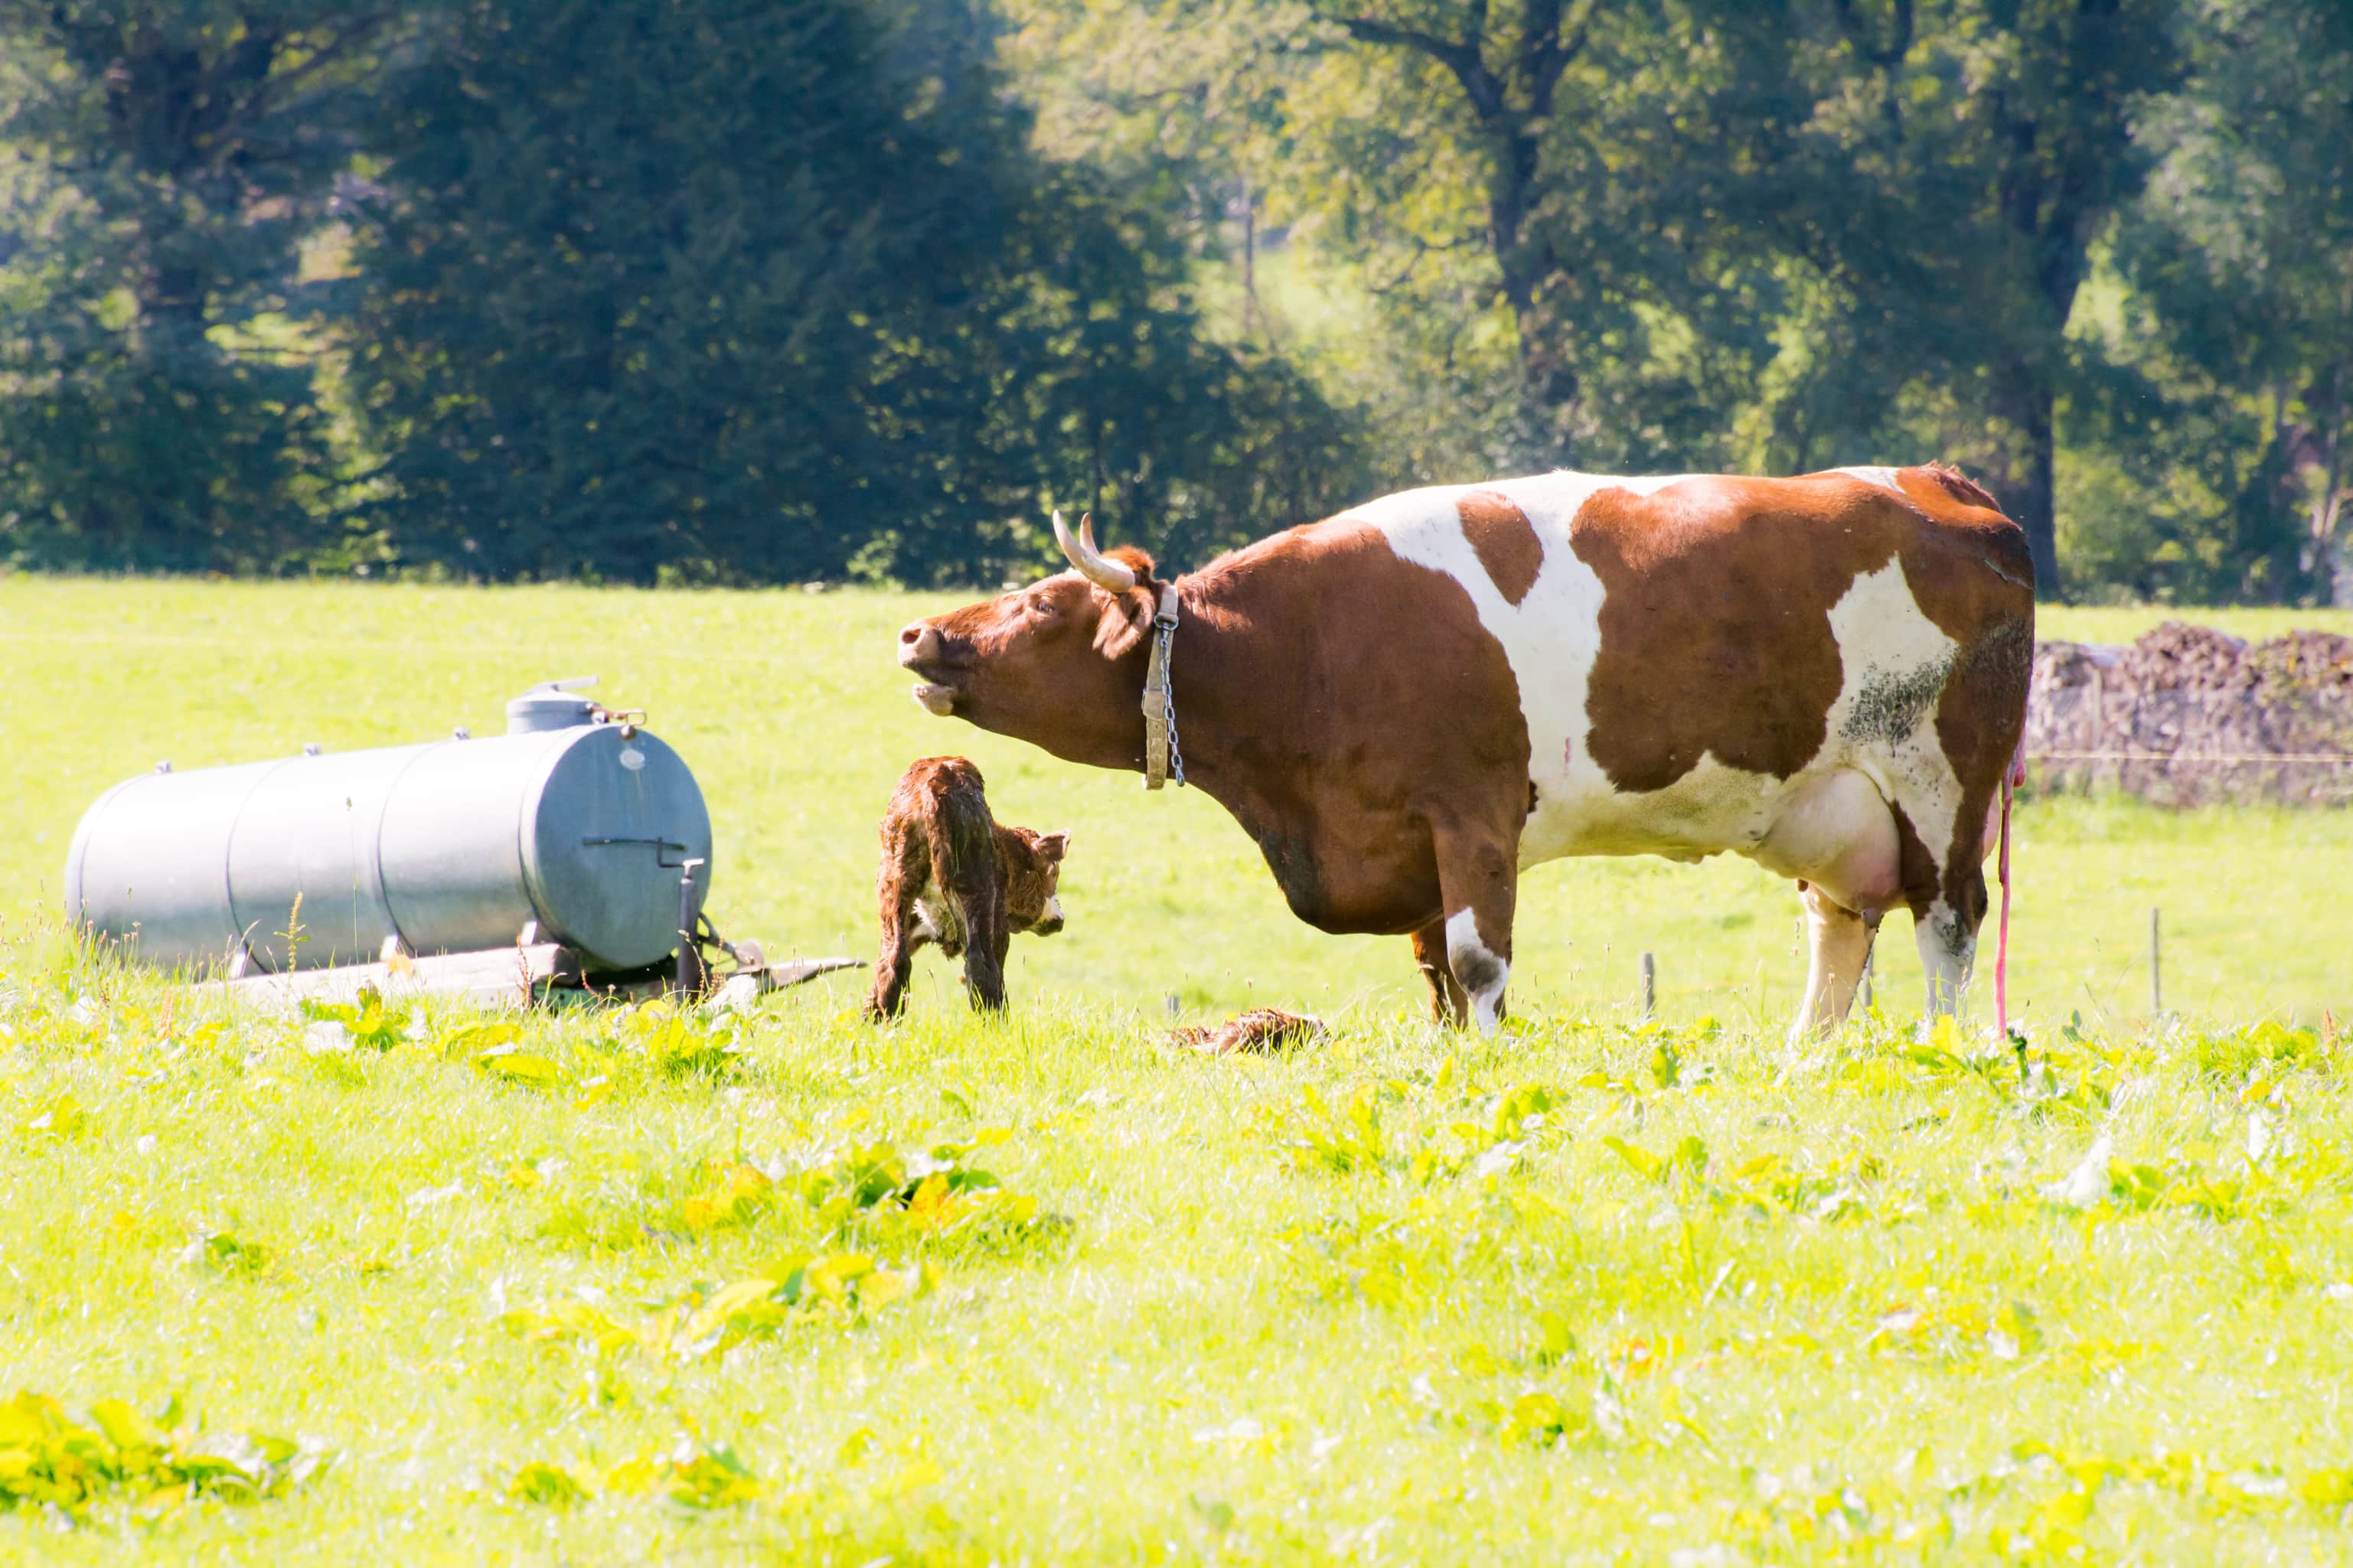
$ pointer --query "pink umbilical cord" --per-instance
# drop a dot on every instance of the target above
(2001, 935)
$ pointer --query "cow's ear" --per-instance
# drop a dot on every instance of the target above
(1125, 618)
(1052, 845)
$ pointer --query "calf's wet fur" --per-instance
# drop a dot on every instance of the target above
(1261, 1029)
(952, 874)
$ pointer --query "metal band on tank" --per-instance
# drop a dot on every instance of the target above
(534, 887)
(229, 859)
(376, 849)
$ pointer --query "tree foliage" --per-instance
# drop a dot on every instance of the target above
(165, 163)
(722, 291)
(751, 291)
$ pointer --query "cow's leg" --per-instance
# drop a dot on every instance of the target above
(1946, 931)
(1838, 942)
(1842, 842)
(1478, 879)
(1447, 1002)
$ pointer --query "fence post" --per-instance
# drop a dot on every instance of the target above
(1649, 988)
(2092, 743)
(2155, 967)
(1862, 986)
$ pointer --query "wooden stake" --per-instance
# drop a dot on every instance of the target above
(1862, 987)
(1649, 988)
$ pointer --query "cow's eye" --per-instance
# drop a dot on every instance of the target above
(1042, 607)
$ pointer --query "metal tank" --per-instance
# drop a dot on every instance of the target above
(574, 827)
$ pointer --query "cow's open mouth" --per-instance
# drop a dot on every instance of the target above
(921, 658)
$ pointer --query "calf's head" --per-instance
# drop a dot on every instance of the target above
(1031, 864)
(1059, 664)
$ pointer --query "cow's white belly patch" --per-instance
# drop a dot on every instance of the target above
(1883, 725)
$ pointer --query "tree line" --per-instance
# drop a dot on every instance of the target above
(712, 290)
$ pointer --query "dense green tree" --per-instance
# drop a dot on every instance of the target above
(764, 290)
(168, 162)
(2240, 334)
(1772, 235)
(1988, 143)
(1558, 279)
(720, 289)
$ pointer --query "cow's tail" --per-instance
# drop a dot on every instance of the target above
(2012, 776)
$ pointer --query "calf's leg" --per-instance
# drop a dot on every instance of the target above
(894, 963)
(986, 934)
(901, 878)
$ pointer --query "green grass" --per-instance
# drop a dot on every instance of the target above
(795, 720)
(1589, 1292)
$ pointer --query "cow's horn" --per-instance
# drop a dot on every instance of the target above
(1092, 565)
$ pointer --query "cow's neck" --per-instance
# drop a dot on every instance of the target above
(1238, 677)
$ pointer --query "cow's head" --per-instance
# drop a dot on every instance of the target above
(1059, 664)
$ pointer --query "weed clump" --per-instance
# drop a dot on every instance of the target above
(73, 1460)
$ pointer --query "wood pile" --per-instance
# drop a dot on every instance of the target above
(2189, 715)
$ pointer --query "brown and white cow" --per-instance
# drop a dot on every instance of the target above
(1410, 703)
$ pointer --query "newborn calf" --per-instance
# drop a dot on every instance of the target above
(1261, 1029)
(951, 875)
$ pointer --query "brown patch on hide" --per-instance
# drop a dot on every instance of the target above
(1716, 633)
(1504, 540)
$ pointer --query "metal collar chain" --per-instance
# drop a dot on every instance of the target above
(1168, 700)
(1164, 758)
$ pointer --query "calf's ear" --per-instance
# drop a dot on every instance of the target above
(1052, 845)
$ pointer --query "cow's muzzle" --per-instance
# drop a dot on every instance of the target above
(920, 650)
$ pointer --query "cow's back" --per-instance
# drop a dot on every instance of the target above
(1689, 649)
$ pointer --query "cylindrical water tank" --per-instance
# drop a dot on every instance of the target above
(570, 822)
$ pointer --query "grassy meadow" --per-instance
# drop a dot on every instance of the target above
(616, 1286)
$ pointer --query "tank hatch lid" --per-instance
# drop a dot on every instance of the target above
(550, 705)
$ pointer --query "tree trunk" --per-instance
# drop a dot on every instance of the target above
(2028, 486)
(1510, 104)
(1549, 379)
(2334, 571)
